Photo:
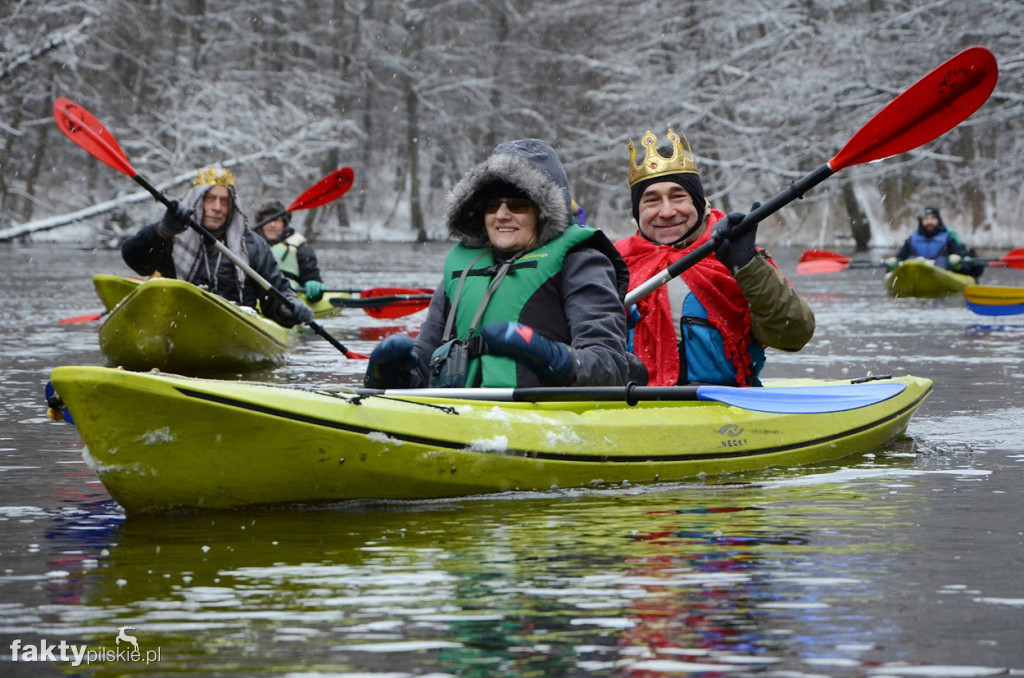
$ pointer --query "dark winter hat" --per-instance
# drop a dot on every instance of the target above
(934, 211)
(271, 208)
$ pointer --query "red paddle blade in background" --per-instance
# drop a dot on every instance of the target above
(397, 308)
(929, 108)
(328, 189)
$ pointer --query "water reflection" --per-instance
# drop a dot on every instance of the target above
(527, 586)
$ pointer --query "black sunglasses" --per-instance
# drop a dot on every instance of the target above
(515, 205)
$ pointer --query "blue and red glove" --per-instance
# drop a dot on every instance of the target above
(552, 361)
(391, 363)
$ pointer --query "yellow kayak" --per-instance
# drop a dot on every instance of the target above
(174, 326)
(922, 278)
(111, 289)
(161, 441)
(994, 299)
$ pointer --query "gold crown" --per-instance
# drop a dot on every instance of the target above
(655, 164)
(214, 175)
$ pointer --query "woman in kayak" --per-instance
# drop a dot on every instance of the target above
(528, 296)
(170, 248)
(711, 324)
(933, 240)
(295, 256)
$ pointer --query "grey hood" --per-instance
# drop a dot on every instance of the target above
(528, 164)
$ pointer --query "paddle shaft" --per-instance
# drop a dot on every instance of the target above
(630, 394)
(240, 263)
(373, 302)
(768, 208)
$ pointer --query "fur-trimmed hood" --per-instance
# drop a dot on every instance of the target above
(530, 165)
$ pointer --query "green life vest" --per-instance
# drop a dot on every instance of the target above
(286, 252)
(524, 282)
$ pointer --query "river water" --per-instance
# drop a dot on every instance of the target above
(906, 561)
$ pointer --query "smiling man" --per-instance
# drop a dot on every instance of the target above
(528, 296)
(712, 323)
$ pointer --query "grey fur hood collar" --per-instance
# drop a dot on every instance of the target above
(533, 167)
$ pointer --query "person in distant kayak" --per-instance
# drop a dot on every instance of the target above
(711, 324)
(528, 297)
(295, 256)
(174, 250)
(935, 241)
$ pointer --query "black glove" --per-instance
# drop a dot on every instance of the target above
(736, 252)
(176, 219)
(391, 363)
(550, 360)
(296, 312)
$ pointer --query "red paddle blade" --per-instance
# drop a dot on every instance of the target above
(402, 301)
(1014, 258)
(398, 308)
(932, 106)
(814, 255)
(80, 319)
(394, 291)
(328, 189)
(85, 130)
(821, 266)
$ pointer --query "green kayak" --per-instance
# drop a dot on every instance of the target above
(922, 278)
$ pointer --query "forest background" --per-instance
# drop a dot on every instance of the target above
(411, 93)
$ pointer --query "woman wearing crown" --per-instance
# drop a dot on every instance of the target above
(711, 324)
(170, 248)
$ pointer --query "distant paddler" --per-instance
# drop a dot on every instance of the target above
(294, 254)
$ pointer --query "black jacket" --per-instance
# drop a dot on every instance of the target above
(146, 253)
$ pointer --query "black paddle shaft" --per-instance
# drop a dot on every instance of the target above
(773, 205)
(631, 394)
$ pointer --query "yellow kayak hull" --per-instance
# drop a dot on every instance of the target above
(174, 326)
(160, 442)
(921, 278)
(994, 295)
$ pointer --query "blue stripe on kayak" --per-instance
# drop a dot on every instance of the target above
(802, 399)
(995, 309)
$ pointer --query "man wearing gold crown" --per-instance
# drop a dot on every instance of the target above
(172, 249)
(712, 323)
